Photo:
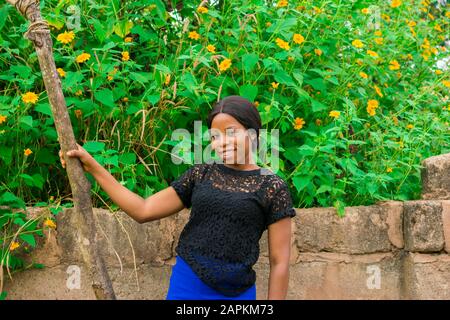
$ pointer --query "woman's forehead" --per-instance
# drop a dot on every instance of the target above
(223, 121)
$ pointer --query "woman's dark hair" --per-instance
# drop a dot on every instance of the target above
(239, 108)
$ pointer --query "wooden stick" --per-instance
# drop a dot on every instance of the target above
(39, 33)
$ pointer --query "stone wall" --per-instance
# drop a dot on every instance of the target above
(390, 250)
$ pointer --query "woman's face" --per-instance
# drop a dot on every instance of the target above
(230, 139)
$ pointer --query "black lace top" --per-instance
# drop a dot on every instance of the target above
(231, 208)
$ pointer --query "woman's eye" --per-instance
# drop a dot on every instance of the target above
(231, 133)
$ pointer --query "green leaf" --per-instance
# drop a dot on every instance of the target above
(123, 28)
(100, 31)
(105, 96)
(317, 84)
(3, 15)
(73, 78)
(340, 208)
(283, 77)
(6, 154)
(323, 188)
(127, 158)
(249, 61)
(9, 198)
(23, 71)
(301, 181)
(317, 106)
(44, 108)
(27, 120)
(94, 146)
(248, 91)
(28, 238)
(140, 77)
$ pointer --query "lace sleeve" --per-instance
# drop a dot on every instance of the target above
(280, 202)
(185, 183)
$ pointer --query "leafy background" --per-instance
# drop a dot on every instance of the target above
(358, 89)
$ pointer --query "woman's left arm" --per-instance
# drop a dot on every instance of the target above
(279, 234)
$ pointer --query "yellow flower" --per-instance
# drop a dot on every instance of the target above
(395, 119)
(412, 23)
(394, 65)
(357, 43)
(359, 62)
(379, 40)
(430, 16)
(378, 90)
(125, 56)
(167, 80)
(128, 39)
(365, 11)
(211, 48)
(50, 223)
(27, 152)
(298, 38)
(396, 3)
(275, 85)
(83, 57)
(202, 10)
(66, 37)
(446, 83)
(61, 72)
(372, 53)
(409, 126)
(334, 114)
(447, 14)
(372, 105)
(225, 64)
(79, 93)
(378, 33)
(194, 35)
(282, 3)
(385, 17)
(30, 97)
(299, 122)
(426, 55)
(14, 245)
(363, 75)
(318, 52)
(349, 85)
(438, 72)
(282, 44)
(110, 78)
(2, 118)
(389, 170)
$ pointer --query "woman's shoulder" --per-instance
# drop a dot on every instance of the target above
(274, 184)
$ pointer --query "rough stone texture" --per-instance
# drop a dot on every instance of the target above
(446, 223)
(423, 228)
(361, 230)
(436, 177)
(427, 276)
(331, 257)
(124, 242)
(328, 275)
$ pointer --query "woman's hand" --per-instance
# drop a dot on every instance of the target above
(86, 159)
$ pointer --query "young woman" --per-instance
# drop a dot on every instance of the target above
(232, 203)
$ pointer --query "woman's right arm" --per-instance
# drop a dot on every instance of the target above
(157, 206)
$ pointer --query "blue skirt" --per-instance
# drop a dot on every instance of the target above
(186, 285)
